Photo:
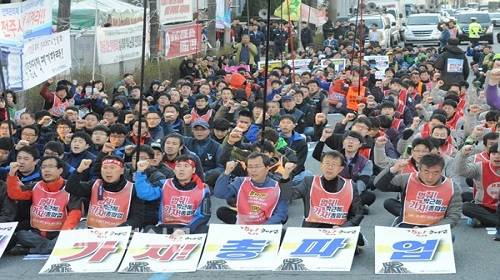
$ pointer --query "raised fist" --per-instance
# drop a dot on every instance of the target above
(142, 165)
(84, 165)
(230, 166)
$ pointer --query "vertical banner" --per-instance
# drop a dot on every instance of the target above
(223, 14)
(25, 20)
(44, 57)
(88, 250)
(120, 43)
(414, 250)
(318, 249)
(149, 253)
(6, 232)
(182, 40)
(11, 57)
(172, 11)
(238, 247)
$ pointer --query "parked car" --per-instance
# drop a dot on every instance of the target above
(384, 24)
(421, 29)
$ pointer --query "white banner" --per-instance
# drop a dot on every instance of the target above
(163, 253)
(172, 11)
(6, 231)
(44, 57)
(301, 65)
(238, 247)
(120, 43)
(24, 20)
(318, 249)
(381, 62)
(414, 250)
(88, 250)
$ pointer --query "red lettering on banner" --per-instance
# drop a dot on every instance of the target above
(167, 253)
(99, 251)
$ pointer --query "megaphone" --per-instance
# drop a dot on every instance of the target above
(263, 13)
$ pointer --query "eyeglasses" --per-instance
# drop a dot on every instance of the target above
(255, 166)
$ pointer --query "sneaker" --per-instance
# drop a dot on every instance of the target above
(473, 222)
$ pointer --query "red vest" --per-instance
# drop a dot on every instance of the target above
(426, 130)
(329, 208)
(426, 205)
(480, 157)
(48, 209)
(452, 123)
(403, 97)
(256, 205)
(365, 151)
(179, 207)
(205, 117)
(491, 186)
(409, 168)
(396, 123)
(112, 210)
(58, 106)
(448, 148)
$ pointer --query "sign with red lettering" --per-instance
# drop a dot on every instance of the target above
(149, 253)
(172, 11)
(120, 43)
(182, 40)
(88, 250)
(25, 20)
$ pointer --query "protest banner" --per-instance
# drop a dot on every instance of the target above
(414, 250)
(223, 14)
(120, 43)
(378, 62)
(318, 249)
(240, 247)
(88, 250)
(182, 40)
(172, 11)
(11, 57)
(301, 65)
(234, 69)
(6, 232)
(25, 20)
(312, 15)
(340, 63)
(162, 253)
(44, 57)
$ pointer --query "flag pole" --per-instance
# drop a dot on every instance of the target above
(141, 96)
(266, 67)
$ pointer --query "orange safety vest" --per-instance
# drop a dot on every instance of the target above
(491, 185)
(48, 209)
(112, 210)
(256, 205)
(426, 205)
(329, 208)
(178, 206)
(352, 95)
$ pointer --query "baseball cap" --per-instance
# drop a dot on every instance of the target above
(201, 123)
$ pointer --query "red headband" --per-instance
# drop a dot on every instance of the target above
(113, 161)
(189, 161)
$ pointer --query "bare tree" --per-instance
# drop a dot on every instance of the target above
(154, 29)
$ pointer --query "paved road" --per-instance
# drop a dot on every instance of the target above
(476, 255)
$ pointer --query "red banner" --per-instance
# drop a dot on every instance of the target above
(182, 40)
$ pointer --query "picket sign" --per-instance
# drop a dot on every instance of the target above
(6, 232)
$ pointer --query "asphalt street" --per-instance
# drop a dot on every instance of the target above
(476, 254)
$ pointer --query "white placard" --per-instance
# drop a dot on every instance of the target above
(120, 43)
(88, 250)
(172, 11)
(6, 231)
(414, 250)
(149, 253)
(238, 247)
(318, 249)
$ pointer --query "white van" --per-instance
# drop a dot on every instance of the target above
(384, 24)
(422, 29)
